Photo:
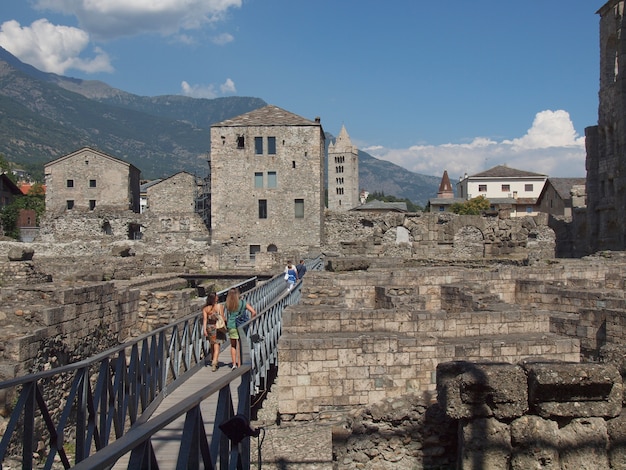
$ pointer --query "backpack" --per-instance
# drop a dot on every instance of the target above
(239, 317)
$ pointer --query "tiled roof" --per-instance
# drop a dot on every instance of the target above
(267, 116)
(382, 205)
(563, 186)
(503, 171)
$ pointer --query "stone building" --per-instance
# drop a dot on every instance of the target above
(170, 213)
(560, 195)
(343, 173)
(606, 142)
(8, 190)
(87, 178)
(267, 190)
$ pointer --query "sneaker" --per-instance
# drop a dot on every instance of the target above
(234, 367)
(214, 368)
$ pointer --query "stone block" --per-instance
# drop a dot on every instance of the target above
(535, 443)
(583, 444)
(570, 390)
(483, 389)
(485, 443)
(616, 429)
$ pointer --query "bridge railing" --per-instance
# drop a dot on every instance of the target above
(112, 396)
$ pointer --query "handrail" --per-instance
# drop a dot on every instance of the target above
(117, 401)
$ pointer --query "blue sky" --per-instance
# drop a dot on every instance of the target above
(431, 86)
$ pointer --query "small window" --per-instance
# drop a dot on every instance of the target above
(258, 145)
(258, 180)
(299, 207)
(271, 179)
(529, 209)
(482, 188)
(92, 183)
(271, 145)
(254, 249)
(442, 209)
(240, 142)
(69, 204)
(92, 204)
(506, 188)
(262, 208)
(70, 183)
(528, 188)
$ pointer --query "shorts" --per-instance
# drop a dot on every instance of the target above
(233, 333)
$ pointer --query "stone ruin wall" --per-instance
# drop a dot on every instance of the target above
(361, 343)
(438, 236)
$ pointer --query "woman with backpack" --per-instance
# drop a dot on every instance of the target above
(236, 313)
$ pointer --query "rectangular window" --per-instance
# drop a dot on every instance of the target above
(271, 145)
(271, 179)
(258, 180)
(299, 206)
(240, 142)
(529, 209)
(262, 208)
(482, 188)
(528, 187)
(69, 204)
(441, 209)
(70, 183)
(92, 204)
(254, 249)
(258, 145)
(506, 188)
(92, 183)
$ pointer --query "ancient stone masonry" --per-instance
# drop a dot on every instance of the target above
(525, 362)
(438, 236)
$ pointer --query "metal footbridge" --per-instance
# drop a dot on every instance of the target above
(152, 403)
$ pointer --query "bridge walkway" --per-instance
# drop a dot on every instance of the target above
(166, 442)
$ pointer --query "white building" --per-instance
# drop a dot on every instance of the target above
(504, 187)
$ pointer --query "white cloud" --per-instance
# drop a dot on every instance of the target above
(108, 19)
(222, 39)
(207, 91)
(228, 87)
(551, 147)
(52, 48)
(198, 91)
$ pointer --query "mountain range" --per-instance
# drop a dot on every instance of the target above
(44, 116)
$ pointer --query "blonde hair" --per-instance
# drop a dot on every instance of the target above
(232, 300)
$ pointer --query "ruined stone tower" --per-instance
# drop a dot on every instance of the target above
(343, 173)
(606, 142)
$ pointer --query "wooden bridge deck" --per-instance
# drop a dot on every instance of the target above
(166, 442)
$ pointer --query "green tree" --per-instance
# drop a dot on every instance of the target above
(474, 206)
(5, 167)
(35, 200)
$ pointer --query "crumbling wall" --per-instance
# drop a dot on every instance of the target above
(438, 236)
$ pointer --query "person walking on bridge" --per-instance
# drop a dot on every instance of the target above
(211, 313)
(236, 309)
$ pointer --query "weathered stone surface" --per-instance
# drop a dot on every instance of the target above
(616, 429)
(583, 444)
(574, 390)
(24, 253)
(467, 389)
(485, 443)
(535, 444)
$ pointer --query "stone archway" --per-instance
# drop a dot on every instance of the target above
(469, 243)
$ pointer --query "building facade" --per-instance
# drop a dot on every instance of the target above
(88, 178)
(343, 173)
(504, 187)
(606, 142)
(561, 195)
(267, 191)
